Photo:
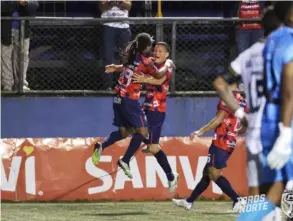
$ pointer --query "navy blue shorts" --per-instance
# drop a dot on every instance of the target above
(217, 157)
(155, 121)
(128, 113)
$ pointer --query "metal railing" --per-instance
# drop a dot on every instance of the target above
(66, 53)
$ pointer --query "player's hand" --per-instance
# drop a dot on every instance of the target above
(242, 116)
(195, 134)
(22, 2)
(169, 63)
(282, 150)
(110, 68)
(136, 78)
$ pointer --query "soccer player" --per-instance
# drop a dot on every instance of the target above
(127, 110)
(276, 132)
(155, 110)
(249, 67)
(227, 126)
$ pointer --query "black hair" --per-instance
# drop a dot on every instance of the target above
(269, 21)
(282, 8)
(137, 46)
(164, 44)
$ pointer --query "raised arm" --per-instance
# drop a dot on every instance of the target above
(126, 4)
(30, 6)
(211, 125)
(114, 68)
(148, 80)
(104, 6)
(162, 71)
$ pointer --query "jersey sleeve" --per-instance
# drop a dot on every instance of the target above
(222, 106)
(288, 54)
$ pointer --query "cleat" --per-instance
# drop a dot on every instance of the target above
(145, 150)
(125, 167)
(182, 203)
(238, 206)
(97, 153)
(173, 184)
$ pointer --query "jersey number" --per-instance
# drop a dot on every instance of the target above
(255, 91)
(126, 77)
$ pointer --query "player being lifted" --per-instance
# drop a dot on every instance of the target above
(276, 132)
(155, 110)
(227, 126)
(127, 109)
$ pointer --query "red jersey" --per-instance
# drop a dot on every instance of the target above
(226, 133)
(125, 86)
(249, 9)
(156, 95)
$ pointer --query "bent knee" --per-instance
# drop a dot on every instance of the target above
(154, 148)
(214, 173)
(124, 132)
(143, 131)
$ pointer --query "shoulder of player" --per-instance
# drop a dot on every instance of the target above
(147, 60)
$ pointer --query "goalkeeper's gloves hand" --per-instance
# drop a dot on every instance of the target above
(282, 150)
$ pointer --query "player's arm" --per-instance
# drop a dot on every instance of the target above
(159, 73)
(148, 80)
(215, 122)
(125, 4)
(221, 84)
(287, 95)
(114, 68)
(104, 5)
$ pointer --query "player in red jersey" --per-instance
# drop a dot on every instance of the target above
(154, 107)
(127, 110)
(227, 127)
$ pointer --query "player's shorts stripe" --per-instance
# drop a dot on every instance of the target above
(142, 123)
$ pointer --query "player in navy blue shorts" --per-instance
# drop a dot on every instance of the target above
(227, 127)
(154, 107)
(127, 110)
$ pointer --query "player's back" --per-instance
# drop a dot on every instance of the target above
(278, 49)
(125, 86)
(226, 133)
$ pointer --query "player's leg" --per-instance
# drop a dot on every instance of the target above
(201, 186)
(253, 173)
(115, 136)
(218, 161)
(155, 122)
(137, 119)
(198, 190)
(271, 180)
(162, 160)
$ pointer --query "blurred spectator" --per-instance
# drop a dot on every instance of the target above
(116, 35)
(10, 44)
(248, 33)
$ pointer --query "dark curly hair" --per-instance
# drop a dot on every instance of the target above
(137, 46)
(282, 8)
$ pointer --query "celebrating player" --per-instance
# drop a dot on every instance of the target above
(249, 66)
(127, 110)
(227, 127)
(155, 110)
(276, 132)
